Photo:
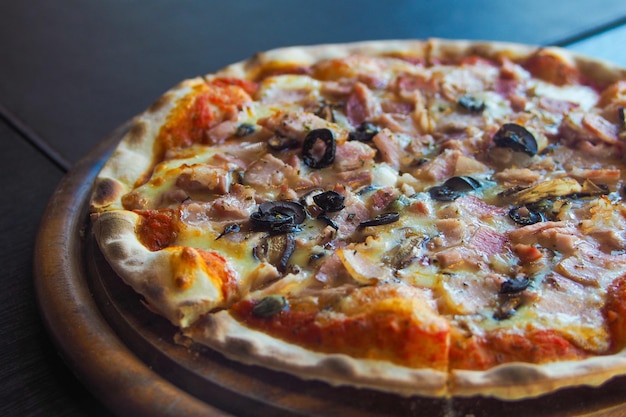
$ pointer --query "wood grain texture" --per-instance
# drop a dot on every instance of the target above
(33, 379)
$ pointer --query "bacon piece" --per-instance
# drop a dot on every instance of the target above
(332, 270)
(352, 155)
(361, 105)
(204, 178)
(222, 131)
(588, 127)
(597, 176)
(615, 93)
(554, 105)
(561, 236)
(606, 225)
(237, 205)
(271, 172)
(479, 245)
(382, 197)
(452, 229)
(448, 164)
(406, 84)
(297, 124)
(335, 89)
(518, 176)
(601, 128)
(389, 147)
(351, 216)
(355, 179)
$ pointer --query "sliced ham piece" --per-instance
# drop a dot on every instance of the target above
(270, 172)
(517, 176)
(361, 105)
(352, 155)
(296, 125)
(237, 205)
(389, 147)
(449, 163)
(204, 178)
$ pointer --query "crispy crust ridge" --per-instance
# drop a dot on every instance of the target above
(153, 274)
(236, 341)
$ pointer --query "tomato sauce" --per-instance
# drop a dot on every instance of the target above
(497, 347)
(157, 228)
(379, 335)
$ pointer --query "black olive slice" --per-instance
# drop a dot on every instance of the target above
(381, 219)
(281, 143)
(329, 201)
(462, 184)
(524, 216)
(278, 217)
(514, 285)
(231, 228)
(309, 154)
(365, 132)
(270, 306)
(621, 115)
(517, 138)
(471, 104)
(244, 129)
(453, 188)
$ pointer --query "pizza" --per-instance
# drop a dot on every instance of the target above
(437, 218)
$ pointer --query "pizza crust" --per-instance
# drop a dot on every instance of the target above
(515, 381)
(225, 334)
(132, 158)
(153, 274)
(147, 272)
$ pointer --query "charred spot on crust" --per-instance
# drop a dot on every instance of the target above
(137, 132)
(159, 103)
(106, 191)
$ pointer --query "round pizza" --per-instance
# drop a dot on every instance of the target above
(435, 218)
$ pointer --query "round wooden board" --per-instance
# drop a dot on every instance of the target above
(127, 356)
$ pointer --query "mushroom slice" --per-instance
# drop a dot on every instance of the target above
(276, 250)
(401, 255)
(553, 188)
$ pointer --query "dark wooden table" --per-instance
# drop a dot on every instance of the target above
(72, 72)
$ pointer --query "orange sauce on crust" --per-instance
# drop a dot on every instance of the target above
(497, 347)
(379, 335)
(157, 228)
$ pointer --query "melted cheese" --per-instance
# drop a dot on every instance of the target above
(459, 253)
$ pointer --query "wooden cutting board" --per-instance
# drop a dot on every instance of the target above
(127, 356)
